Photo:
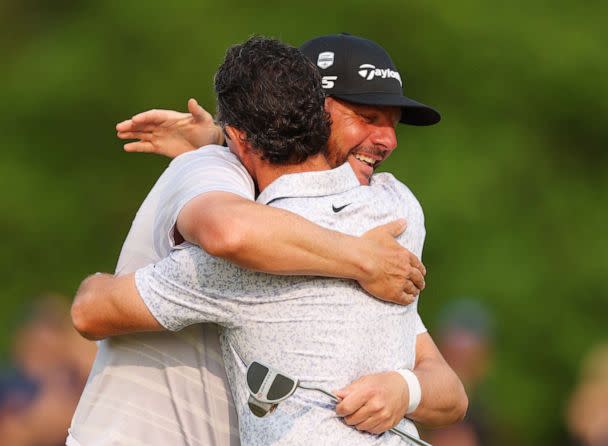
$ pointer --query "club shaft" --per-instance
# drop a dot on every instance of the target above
(318, 389)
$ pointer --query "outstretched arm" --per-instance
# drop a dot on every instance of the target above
(376, 403)
(170, 133)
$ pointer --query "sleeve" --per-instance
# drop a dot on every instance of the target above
(418, 324)
(173, 291)
(209, 169)
(420, 327)
(413, 237)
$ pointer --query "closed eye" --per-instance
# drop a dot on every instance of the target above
(370, 119)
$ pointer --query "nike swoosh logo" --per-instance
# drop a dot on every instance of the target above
(335, 209)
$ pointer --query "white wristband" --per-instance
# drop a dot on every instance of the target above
(415, 390)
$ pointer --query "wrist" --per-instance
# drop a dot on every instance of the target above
(414, 389)
(221, 139)
(360, 259)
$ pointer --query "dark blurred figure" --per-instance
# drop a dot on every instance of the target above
(16, 394)
(587, 411)
(465, 340)
(40, 389)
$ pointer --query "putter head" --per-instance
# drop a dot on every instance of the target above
(259, 408)
(268, 385)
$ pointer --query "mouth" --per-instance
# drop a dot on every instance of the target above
(363, 166)
(366, 159)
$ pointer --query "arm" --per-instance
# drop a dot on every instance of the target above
(376, 403)
(176, 292)
(106, 305)
(170, 133)
(265, 239)
(275, 241)
(444, 400)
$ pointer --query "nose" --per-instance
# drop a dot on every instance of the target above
(384, 136)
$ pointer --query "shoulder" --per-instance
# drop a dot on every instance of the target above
(387, 183)
(407, 206)
(191, 265)
(207, 154)
(180, 262)
(210, 168)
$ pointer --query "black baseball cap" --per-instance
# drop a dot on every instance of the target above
(360, 71)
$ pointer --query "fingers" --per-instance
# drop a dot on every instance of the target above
(149, 117)
(130, 126)
(198, 112)
(373, 403)
(156, 117)
(124, 126)
(351, 404)
(371, 425)
(149, 120)
(148, 128)
(342, 393)
(410, 288)
(396, 227)
(139, 146)
(368, 416)
(416, 263)
(144, 136)
(416, 279)
(406, 298)
(193, 107)
(361, 416)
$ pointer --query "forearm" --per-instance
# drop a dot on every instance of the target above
(444, 400)
(280, 242)
(275, 241)
(107, 306)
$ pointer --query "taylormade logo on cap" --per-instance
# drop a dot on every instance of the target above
(359, 71)
(369, 71)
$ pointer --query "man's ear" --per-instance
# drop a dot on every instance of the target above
(234, 134)
(330, 103)
(237, 142)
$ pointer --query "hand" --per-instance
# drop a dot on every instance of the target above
(394, 273)
(374, 403)
(170, 133)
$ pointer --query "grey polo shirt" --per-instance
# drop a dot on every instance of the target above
(327, 332)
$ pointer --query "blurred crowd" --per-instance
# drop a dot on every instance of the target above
(50, 362)
(466, 336)
(42, 382)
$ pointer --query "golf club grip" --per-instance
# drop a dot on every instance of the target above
(394, 430)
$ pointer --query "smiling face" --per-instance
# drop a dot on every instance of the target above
(363, 135)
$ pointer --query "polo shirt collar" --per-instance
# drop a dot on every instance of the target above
(310, 184)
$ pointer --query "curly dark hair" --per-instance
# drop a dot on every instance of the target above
(272, 92)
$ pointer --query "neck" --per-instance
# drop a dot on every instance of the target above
(267, 173)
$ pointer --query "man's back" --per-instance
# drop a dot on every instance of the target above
(163, 388)
(326, 332)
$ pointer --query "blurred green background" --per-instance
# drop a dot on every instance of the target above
(513, 180)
